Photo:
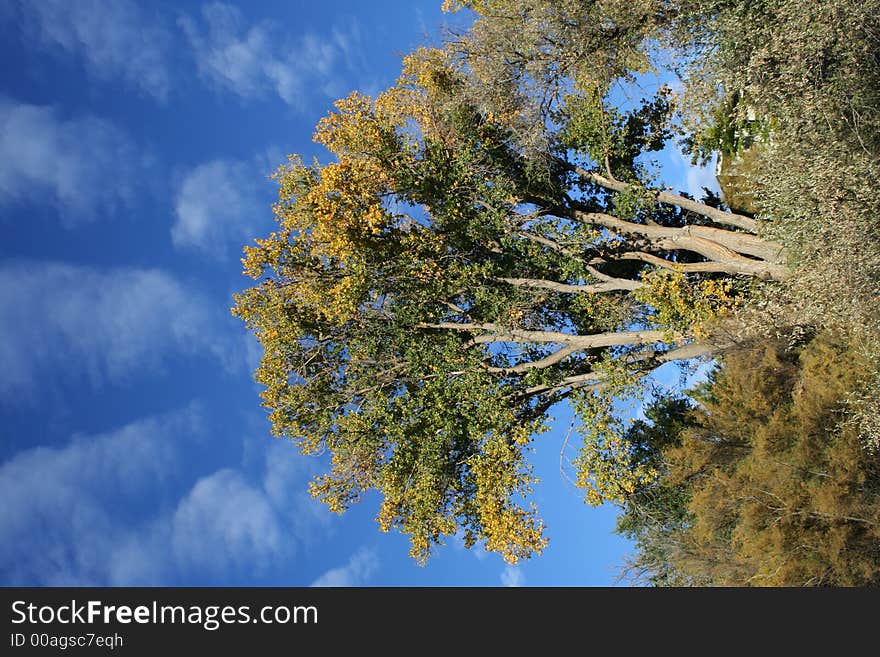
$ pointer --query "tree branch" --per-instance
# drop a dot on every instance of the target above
(551, 244)
(716, 215)
(496, 333)
(717, 245)
(746, 268)
(611, 284)
(593, 380)
(695, 237)
(557, 356)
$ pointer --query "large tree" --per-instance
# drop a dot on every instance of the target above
(489, 239)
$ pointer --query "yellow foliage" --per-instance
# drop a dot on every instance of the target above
(605, 469)
(509, 530)
(354, 129)
(426, 68)
(453, 6)
(681, 305)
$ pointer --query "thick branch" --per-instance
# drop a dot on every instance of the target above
(495, 333)
(611, 285)
(648, 363)
(557, 356)
(684, 267)
(732, 241)
(716, 215)
(720, 246)
(744, 267)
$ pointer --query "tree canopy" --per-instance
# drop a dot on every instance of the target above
(489, 238)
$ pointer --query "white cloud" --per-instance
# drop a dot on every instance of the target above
(125, 508)
(70, 323)
(251, 61)
(701, 177)
(114, 39)
(224, 524)
(82, 165)
(513, 577)
(68, 516)
(695, 177)
(356, 572)
(285, 470)
(231, 523)
(220, 203)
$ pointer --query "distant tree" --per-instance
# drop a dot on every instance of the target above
(489, 241)
(655, 515)
(766, 483)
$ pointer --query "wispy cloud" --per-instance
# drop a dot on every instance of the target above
(254, 60)
(113, 38)
(512, 576)
(694, 178)
(121, 509)
(356, 572)
(65, 323)
(67, 514)
(232, 522)
(221, 203)
(284, 471)
(83, 165)
(224, 524)
(701, 178)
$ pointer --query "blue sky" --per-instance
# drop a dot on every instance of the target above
(135, 143)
